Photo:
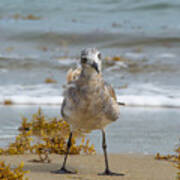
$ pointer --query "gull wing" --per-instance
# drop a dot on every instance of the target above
(73, 74)
(110, 90)
(112, 93)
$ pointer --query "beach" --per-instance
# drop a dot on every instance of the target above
(132, 142)
(134, 166)
(140, 46)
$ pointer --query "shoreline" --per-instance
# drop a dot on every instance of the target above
(134, 132)
(128, 100)
(135, 167)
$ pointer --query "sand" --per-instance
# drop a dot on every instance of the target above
(134, 166)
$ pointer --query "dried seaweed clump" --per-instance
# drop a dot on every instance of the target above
(178, 162)
(168, 157)
(172, 158)
(8, 102)
(50, 80)
(44, 136)
(7, 173)
(117, 58)
(28, 17)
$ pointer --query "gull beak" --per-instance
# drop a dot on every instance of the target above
(95, 66)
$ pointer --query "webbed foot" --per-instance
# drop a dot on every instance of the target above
(109, 173)
(64, 171)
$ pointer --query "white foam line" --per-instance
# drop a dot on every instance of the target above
(28, 100)
(150, 101)
(167, 55)
(129, 100)
(5, 136)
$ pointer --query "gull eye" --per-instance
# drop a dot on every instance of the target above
(83, 60)
(99, 56)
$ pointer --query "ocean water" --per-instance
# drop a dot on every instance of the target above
(138, 129)
(43, 39)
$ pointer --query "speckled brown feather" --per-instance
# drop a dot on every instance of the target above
(111, 91)
(74, 75)
(91, 105)
(89, 102)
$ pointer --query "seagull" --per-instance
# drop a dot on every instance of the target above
(89, 103)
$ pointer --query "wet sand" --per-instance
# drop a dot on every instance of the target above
(134, 166)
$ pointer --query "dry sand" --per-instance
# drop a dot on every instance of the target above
(135, 167)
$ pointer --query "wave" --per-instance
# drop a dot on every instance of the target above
(129, 100)
(100, 39)
(7, 136)
(155, 6)
(150, 101)
(31, 100)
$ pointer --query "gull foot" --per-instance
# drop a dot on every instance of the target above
(63, 171)
(109, 173)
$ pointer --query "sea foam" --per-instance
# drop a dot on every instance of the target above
(129, 100)
(150, 101)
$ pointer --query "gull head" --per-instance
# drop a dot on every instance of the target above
(91, 60)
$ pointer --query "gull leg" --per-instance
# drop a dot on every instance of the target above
(107, 171)
(63, 169)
